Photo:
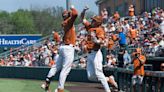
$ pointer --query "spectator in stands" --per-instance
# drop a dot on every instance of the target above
(120, 58)
(116, 16)
(131, 12)
(122, 38)
(10, 61)
(162, 67)
(2, 62)
(126, 59)
(46, 55)
(55, 53)
(161, 42)
(110, 45)
(111, 61)
(104, 14)
(126, 26)
(17, 61)
(27, 60)
(133, 33)
(155, 47)
(162, 25)
(138, 61)
(111, 28)
(56, 36)
(82, 63)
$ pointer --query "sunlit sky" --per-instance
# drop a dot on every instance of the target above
(13, 5)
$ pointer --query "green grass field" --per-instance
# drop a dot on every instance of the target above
(20, 85)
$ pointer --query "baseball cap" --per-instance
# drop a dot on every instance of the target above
(97, 19)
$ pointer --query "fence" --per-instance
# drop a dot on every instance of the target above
(153, 80)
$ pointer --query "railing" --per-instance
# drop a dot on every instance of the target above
(153, 80)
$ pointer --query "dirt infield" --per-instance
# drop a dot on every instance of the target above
(86, 87)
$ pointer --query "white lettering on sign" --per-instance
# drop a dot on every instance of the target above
(23, 41)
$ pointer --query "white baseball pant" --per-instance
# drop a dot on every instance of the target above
(64, 63)
(94, 69)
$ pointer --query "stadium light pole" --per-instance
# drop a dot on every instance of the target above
(68, 3)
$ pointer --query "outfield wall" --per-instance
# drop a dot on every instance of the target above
(153, 80)
(80, 75)
(40, 73)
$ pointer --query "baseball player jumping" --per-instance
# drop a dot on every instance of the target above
(95, 38)
(66, 51)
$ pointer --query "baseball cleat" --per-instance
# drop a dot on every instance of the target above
(45, 87)
(59, 90)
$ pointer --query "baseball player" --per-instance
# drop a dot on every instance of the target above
(95, 38)
(66, 51)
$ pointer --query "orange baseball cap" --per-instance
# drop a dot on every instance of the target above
(97, 19)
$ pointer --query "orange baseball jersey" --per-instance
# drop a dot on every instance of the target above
(69, 29)
(139, 68)
(100, 33)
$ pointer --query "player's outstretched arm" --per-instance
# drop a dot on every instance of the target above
(82, 16)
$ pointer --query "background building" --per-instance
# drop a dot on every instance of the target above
(122, 5)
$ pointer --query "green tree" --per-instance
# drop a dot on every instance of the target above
(34, 21)
(5, 23)
(22, 21)
(47, 19)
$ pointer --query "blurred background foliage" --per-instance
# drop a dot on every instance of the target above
(33, 21)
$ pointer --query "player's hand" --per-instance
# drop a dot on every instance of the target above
(86, 7)
(72, 7)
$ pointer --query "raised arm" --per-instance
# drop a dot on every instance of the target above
(82, 16)
(83, 19)
(74, 15)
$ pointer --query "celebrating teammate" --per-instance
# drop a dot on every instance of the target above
(66, 51)
(94, 41)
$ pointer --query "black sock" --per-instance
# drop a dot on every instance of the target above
(48, 81)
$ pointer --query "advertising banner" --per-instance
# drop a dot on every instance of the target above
(18, 40)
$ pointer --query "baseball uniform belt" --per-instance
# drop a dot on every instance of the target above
(70, 45)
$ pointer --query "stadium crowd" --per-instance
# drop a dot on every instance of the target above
(123, 34)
